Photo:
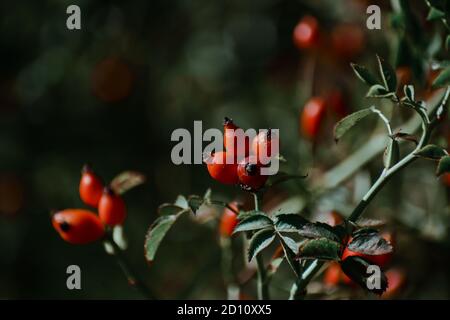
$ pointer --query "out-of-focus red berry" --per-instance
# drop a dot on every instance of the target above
(306, 33)
(228, 221)
(312, 117)
(347, 40)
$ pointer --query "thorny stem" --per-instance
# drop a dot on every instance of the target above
(122, 261)
(263, 288)
(298, 289)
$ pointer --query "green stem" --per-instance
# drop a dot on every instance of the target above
(263, 288)
(133, 280)
(299, 287)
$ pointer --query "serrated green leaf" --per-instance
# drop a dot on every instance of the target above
(349, 121)
(126, 181)
(319, 230)
(431, 151)
(290, 243)
(290, 248)
(387, 74)
(409, 92)
(364, 231)
(254, 222)
(391, 154)
(289, 222)
(443, 79)
(260, 240)
(356, 269)
(168, 209)
(245, 214)
(322, 249)
(378, 91)
(443, 166)
(363, 74)
(435, 14)
(370, 244)
(370, 223)
(156, 234)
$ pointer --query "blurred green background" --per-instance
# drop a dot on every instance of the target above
(112, 93)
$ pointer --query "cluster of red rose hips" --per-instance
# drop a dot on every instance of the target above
(81, 226)
(242, 166)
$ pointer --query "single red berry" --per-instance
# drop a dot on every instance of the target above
(333, 275)
(312, 117)
(265, 146)
(228, 221)
(223, 168)
(336, 102)
(249, 173)
(91, 187)
(111, 208)
(235, 141)
(306, 33)
(347, 40)
(78, 226)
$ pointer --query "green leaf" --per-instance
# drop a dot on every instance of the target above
(290, 243)
(322, 248)
(370, 244)
(435, 14)
(370, 223)
(447, 43)
(289, 222)
(156, 234)
(431, 151)
(290, 248)
(409, 92)
(319, 230)
(168, 209)
(443, 166)
(127, 180)
(388, 75)
(254, 222)
(349, 121)
(356, 269)
(260, 240)
(182, 202)
(363, 74)
(378, 91)
(391, 154)
(443, 79)
(245, 214)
